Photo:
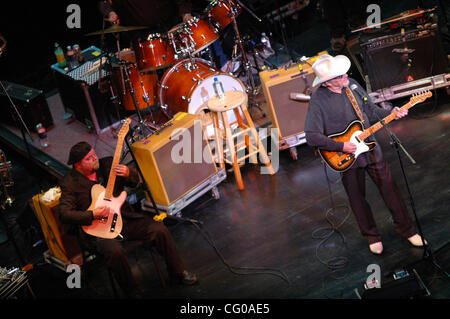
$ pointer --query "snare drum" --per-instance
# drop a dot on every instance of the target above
(188, 85)
(144, 85)
(155, 52)
(193, 36)
(220, 13)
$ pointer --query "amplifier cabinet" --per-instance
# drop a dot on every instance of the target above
(175, 159)
(31, 104)
(288, 115)
(403, 57)
(63, 248)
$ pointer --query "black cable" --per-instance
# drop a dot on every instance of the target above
(241, 270)
(335, 263)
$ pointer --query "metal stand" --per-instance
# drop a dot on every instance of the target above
(427, 252)
(252, 90)
(23, 127)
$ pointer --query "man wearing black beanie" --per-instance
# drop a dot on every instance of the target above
(89, 170)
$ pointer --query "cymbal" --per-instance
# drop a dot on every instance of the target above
(115, 28)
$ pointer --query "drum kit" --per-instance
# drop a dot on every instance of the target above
(164, 74)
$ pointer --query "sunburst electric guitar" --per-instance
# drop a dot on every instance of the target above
(111, 226)
(356, 134)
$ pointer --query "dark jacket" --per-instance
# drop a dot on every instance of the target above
(76, 194)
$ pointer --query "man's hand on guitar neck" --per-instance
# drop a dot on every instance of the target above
(101, 212)
(399, 113)
(122, 170)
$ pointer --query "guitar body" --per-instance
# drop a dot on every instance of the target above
(108, 227)
(356, 134)
(340, 161)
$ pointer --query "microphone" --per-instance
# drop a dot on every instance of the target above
(354, 88)
(300, 97)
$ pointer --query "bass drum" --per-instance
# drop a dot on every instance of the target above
(188, 85)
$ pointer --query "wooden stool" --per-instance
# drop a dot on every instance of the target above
(235, 100)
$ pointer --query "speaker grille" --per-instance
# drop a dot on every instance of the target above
(387, 68)
(290, 114)
(179, 178)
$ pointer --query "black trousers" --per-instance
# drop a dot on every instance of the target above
(354, 184)
(151, 234)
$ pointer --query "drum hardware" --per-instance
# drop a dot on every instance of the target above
(116, 28)
(251, 86)
(5, 180)
(178, 93)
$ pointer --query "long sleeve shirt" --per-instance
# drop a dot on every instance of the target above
(330, 113)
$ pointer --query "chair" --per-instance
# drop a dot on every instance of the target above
(131, 248)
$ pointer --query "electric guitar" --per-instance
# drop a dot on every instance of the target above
(110, 226)
(356, 134)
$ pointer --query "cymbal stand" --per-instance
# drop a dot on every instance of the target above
(141, 125)
(251, 86)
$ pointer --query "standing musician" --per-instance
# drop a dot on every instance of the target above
(330, 112)
(89, 170)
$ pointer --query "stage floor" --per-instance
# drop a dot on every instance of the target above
(268, 240)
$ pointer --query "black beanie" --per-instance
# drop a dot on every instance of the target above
(78, 152)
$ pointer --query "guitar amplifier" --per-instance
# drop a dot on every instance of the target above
(288, 115)
(176, 163)
(403, 57)
(63, 248)
(30, 103)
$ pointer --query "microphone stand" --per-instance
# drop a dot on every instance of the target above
(252, 88)
(18, 118)
(427, 252)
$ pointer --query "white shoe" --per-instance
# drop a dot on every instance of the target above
(376, 248)
(416, 240)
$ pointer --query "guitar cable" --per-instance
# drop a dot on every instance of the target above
(241, 270)
(334, 263)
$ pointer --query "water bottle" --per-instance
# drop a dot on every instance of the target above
(70, 57)
(265, 40)
(59, 53)
(42, 133)
(218, 88)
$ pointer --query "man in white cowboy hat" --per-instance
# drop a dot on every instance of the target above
(331, 111)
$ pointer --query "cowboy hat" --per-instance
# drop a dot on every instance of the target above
(327, 67)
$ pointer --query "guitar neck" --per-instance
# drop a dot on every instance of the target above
(371, 130)
(112, 173)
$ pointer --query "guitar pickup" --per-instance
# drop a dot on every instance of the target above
(348, 158)
(113, 223)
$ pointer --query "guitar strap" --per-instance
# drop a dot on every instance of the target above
(355, 105)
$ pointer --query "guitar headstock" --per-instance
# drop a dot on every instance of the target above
(420, 97)
(124, 129)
